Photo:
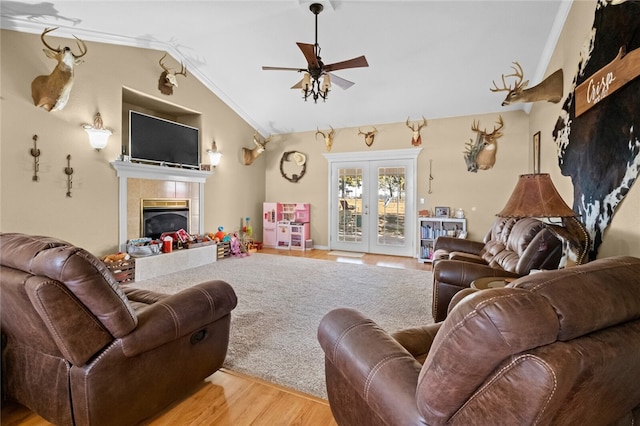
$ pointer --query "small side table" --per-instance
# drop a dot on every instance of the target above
(490, 282)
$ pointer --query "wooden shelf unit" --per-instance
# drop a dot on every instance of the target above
(430, 228)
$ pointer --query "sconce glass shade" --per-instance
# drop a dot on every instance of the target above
(98, 138)
(214, 155)
(98, 135)
(536, 196)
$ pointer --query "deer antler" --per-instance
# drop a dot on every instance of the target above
(45, 32)
(496, 129)
(162, 65)
(495, 134)
(322, 133)
(420, 126)
(519, 84)
(261, 145)
(183, 70)
(81, 44)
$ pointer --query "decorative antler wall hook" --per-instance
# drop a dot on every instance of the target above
(69, 172)
(430, 175)
(35, 152)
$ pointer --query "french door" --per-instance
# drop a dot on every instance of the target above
(372, 202)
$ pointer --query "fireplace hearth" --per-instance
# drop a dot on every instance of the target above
(159, 215)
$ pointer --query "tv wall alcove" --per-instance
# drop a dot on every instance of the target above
(137, 181)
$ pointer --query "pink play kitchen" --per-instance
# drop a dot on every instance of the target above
(286, 226)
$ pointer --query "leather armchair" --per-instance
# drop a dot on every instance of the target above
(78, 349)
(554, 348)
(511, 248)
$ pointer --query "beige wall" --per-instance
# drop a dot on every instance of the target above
(481, 195)
(90, 217)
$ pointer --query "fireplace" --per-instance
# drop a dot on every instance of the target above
(160, 215)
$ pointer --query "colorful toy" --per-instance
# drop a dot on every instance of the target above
(247, 229)
(221, 235)
(237, 249)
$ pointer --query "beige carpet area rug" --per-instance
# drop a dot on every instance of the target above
(281, 300)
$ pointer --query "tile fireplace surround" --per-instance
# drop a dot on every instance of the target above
(150, 181)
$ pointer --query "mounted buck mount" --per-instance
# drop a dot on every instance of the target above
(52, 91)
(249, 155)
(368, 136)
(328, 137)
(168, 80)
(310, 83)
(481, 154)
(550, 89)
(416, 139)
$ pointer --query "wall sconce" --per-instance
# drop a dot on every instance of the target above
(214, 154)
(98, 135)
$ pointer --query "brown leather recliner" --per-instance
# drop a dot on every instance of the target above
(511, 249)
(554, 348)
(79, 350)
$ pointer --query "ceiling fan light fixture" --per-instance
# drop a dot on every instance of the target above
(310, 84)
(326, 84)
(306, 82)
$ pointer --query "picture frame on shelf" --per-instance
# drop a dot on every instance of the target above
(536, 153)
(442, 211)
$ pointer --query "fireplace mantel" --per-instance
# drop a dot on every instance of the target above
(127, 169)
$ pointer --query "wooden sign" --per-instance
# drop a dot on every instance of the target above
(610, 78)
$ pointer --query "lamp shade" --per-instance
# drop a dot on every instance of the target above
(536, 196)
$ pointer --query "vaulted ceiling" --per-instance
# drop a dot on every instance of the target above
(426, 58)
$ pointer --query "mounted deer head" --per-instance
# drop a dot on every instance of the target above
(248, 155)
(482, 154)
(328, 137)
(168, 79)
(52, 91)
(416, 140)
(368, 136)
(550, 89)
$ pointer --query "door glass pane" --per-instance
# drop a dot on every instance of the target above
(391, 205)
(350, 205)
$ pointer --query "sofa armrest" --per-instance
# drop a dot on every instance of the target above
(466, 257)
(179, 315)
(458, 244)
(459, 296)
(373, 363)
(417, 340)
(462, 274)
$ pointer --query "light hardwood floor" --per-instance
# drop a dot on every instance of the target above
(228, 398)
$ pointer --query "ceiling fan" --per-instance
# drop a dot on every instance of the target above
(310, 83)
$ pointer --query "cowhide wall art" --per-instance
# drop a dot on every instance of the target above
(600, 149)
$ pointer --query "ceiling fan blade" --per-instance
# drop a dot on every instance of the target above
(340, 82)
(309, 52)
(360, 61)
(281, 69)
(298, 85)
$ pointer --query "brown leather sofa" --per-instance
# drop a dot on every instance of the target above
(511, 248)
(553, 348)
(79, 350)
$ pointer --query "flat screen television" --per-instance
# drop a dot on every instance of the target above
(156, 140)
